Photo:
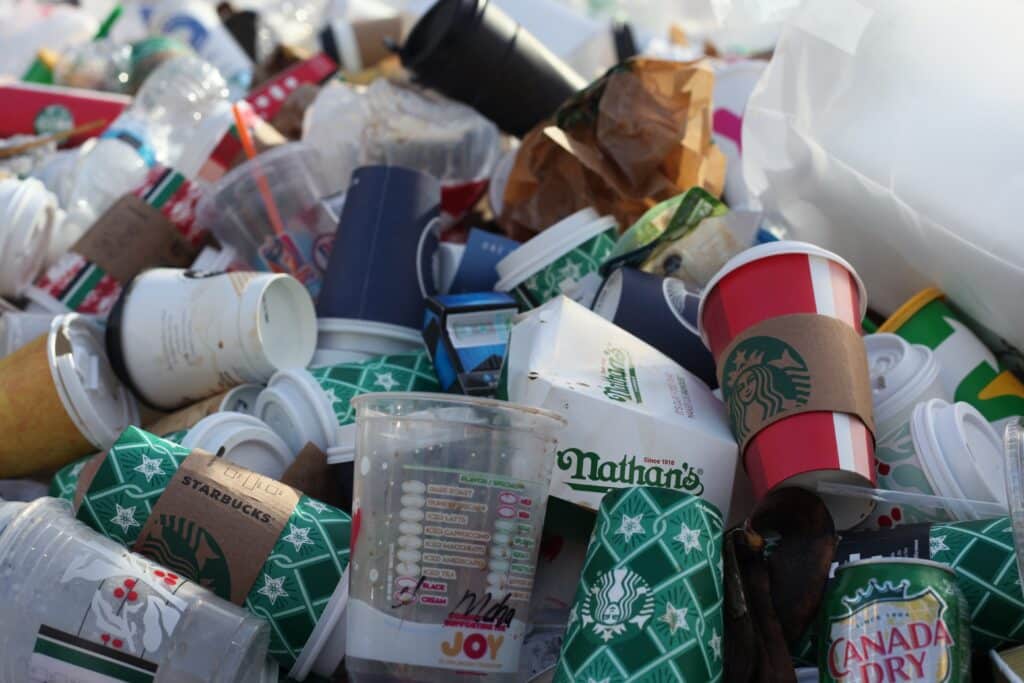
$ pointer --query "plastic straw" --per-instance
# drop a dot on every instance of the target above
(261, 180)
(959, 507)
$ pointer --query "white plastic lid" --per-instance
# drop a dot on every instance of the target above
(767, 249)
(27, 214)
(606, 304)
(246, 440)
(242, 399)
(353, 334)
(345, 451)
(325, 648)
(960, 453)
(899, 371)
(296, 408)
(549, 246)
(95, 400)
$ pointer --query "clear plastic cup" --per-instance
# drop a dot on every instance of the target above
(449, 502)
(70, 598)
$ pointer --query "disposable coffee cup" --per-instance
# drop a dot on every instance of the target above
(241, 399)
(562, 260)
(382, 264)
(968, 369)
(651, 586)
(473, 52)
(245, 440)
(59, 400)
(341, 340)
(466, 480)
(902, 375)
(28, 215)
(18, 329)
(293, 233)
(86, 609)
(314, 406)
(756, 311)
(660, 311)
(180, 336)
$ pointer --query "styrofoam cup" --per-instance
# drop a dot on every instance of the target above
(246, 440)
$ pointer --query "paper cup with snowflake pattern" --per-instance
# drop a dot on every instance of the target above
(649, 602)
(564, 259)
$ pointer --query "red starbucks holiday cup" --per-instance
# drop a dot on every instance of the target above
(781, 279)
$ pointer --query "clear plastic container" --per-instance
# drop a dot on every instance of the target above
(1013, 443)
(66, 589)
(449, 502)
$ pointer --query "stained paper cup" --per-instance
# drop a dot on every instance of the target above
(902, 375)
(350, 340)
(246, 440)
(777, 279)
(564, 259)
(177, 336)
(59, 400)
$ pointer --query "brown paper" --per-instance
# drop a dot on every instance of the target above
(187, 417)
(132, 236)
(790, 365)
(311, 474)
(639, 135)
(373, 37)
(235, 515)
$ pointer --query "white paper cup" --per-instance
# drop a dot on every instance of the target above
(178, 337)
(298, 410)
(545, 255)
(246, 440)
(349, 340)
(902, 375)
(18, 329)
(28, 213)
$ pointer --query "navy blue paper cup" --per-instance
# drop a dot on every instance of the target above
(662, 312)
(382, 264)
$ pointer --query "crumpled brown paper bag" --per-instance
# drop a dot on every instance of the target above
(638, 135)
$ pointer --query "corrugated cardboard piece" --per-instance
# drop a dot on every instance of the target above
(794, 364)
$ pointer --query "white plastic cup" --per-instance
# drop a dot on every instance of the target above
(18, 329)
(349, 340)
(177, 337)
(902, 375)
(62, 581)
(246, 440)
(28, 217)
(450, 495)
(555, 261)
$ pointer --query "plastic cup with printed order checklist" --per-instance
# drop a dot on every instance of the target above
(449, 502)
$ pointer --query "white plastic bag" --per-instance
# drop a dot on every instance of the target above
(889, 131)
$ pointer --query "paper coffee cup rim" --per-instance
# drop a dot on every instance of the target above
(911, 381)
(263, 353)
(367, 328)
(767, 250)
(549, 246)
(229, 429)
(940, 435)
(102, 413)
(330, 629)
(288, 386)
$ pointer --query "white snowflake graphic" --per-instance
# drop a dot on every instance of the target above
(76, 471)
(386, 380)
(675, 617)
(297, 536)
(690, 538)
(331, 396)
(569, 273)
(937, 544)
(630, 527)
(150, 468)
(317, 505)
(125, 518)
(715, 644)
(273, 588)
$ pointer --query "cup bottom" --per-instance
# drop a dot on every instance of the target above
(847, 511)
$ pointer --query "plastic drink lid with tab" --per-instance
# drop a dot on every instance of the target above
(98, 404)
(899, 372)
(295, 407)
(246, 440)
(961, 454)
(549, 246)
(27, 214)
(780, 248)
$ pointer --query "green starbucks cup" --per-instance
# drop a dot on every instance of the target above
(649, 602)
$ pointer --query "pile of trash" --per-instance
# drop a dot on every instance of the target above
(513, 340)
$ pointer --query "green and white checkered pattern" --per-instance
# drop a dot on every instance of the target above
(566, 271)
(649, 603)
(293, 586)
(400, 372)
(983, 556)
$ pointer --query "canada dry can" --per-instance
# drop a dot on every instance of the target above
(895, 619)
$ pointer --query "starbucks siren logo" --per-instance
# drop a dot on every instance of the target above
(618, 602)
(764, 377)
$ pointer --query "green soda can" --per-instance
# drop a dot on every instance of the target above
(895, 619)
